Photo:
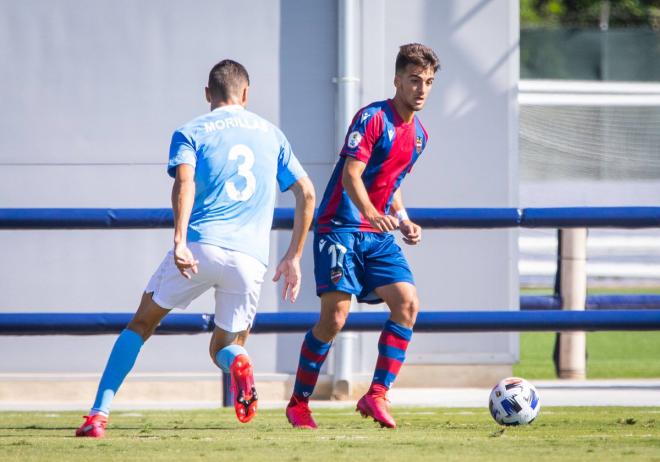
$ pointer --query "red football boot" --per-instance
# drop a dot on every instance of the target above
(300, 415)
(376, 405)
(93, 427)
(243, 389)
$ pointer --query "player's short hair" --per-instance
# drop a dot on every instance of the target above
(418, 55)
(227, 79)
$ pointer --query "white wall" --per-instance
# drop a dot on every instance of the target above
(95, 88)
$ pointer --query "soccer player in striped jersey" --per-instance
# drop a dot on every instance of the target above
(226, 166)
(354, 253)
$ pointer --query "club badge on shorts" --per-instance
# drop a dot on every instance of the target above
(336, 274)
(418, 144)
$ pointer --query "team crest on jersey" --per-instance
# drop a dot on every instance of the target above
(354, 139)
(418, 144)
(336, 274)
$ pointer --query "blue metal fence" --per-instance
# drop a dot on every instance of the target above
(535, 314)
(594, 302)
(632, 312)
(267, 323)
(437, 218)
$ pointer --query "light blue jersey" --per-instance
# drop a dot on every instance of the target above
(238, 158)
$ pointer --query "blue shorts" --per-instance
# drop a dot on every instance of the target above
(358, 263)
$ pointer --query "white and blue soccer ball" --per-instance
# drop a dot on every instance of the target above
(514, 401)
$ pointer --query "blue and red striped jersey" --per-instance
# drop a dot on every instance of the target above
(389, 146)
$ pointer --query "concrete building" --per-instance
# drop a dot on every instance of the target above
(91, 92)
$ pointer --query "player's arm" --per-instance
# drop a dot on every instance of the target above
(354, 186)
(412, 232)
(183, 196)
(303, 190)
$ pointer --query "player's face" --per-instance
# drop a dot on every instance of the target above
(413, 86)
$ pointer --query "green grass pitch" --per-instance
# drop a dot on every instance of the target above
(610, 355)
(424, 434)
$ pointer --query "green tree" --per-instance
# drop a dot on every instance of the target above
(589, 13)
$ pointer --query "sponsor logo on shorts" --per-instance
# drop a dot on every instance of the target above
(354, 139)
(336, 274)
(418, 144)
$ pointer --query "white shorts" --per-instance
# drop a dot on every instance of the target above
(235, 276)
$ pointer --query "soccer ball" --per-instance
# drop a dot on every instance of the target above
(514, 401)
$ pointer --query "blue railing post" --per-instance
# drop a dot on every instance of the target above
(227, 398)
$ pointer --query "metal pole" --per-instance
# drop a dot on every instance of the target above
(227, 398)
(342, 387)
(347, 104)
(348, 82)
(572, 346)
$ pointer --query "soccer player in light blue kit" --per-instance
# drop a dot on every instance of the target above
(226, 165)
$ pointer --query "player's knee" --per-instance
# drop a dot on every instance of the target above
(408, 311)
(336, 324)
(330, 326)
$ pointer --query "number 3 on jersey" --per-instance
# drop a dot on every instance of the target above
(244, 170)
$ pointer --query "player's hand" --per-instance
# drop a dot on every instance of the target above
(383, 223)
(290, 268)
(412, 232)
(184, 260)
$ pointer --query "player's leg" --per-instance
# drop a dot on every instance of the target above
(316, 345)
(236, 300)
(388, 273)
(401, 297)
(122, 358)
(165, 290)
(336, 270)
(402, 300)
(313, 352)
(228, 352)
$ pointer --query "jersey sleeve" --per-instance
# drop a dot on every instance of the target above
(289, 169)
(182, 151)
(363, 134)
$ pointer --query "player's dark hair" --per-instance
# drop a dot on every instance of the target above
(418, 55)
(227, 79)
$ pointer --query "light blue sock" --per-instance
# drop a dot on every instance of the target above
(121, 361)
(225, 357)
